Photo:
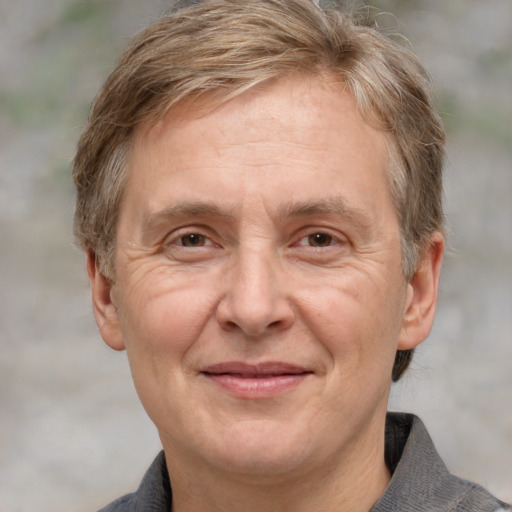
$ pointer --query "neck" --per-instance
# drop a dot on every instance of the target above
(353, 482)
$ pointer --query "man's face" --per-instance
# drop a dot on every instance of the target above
(259, 289)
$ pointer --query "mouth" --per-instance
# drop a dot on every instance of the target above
(262, 380)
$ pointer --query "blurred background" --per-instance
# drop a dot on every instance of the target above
(73, 435)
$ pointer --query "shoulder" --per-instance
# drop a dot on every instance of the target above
(420, 479)
(123, 504)
(153, 495)
(476, 499)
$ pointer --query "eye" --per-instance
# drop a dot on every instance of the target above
(187, 245)
(319, 240)
(193, 240)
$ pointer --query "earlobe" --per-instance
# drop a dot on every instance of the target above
(422, 293)
(105, 310)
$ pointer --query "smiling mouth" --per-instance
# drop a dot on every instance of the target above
(263, 380)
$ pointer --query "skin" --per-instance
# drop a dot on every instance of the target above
(263, 233)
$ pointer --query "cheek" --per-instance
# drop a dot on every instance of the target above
(357, 321)
(162, 318)
(161, 323)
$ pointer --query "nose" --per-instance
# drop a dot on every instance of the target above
(255, 301)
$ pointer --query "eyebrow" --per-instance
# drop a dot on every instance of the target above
(331, 206)
(185, 209)
(152, 221)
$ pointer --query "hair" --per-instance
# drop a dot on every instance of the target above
(221, 48)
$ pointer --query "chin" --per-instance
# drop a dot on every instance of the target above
(261, 448)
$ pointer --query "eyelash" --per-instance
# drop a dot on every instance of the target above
(195, 239)
(316, 240)
(179, 239)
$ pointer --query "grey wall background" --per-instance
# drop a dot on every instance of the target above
(72, 433)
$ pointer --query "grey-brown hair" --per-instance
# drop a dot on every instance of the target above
(221, 48)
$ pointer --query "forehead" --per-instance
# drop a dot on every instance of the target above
(297, 106)
(320, 93)
(295, 130)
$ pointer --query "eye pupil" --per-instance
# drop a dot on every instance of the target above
(320, 239)
(192, 240)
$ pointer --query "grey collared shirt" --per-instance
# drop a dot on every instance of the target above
(420, 482)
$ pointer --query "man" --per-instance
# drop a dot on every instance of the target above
(259, 197)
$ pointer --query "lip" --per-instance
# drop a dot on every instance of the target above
(263, 380)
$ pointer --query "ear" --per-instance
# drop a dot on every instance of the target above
(422, 293)
(105, 310)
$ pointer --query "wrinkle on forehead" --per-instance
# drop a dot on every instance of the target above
(279, 127)
(300, 88)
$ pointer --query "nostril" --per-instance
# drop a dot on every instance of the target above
(254, 309)
(229, 325)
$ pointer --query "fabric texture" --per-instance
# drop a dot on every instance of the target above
(420, 482)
